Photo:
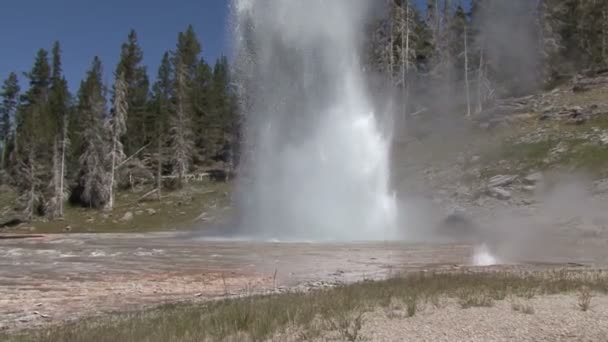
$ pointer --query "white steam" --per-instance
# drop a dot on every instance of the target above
(315, 163)
(483, 257)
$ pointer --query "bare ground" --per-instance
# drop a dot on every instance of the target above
(548, 318)
(64, 277)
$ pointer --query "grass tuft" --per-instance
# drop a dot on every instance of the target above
(584, 298)
(342, 309)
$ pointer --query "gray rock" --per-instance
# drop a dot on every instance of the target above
(528, 188)
(138, 213)
(128, 216)
(501, 180)
(151, 211)
(600, 186)
(534, 178)
(499, 193)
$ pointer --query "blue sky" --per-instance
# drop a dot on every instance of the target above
(86, 28)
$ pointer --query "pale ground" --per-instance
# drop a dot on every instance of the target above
(555, 318)
(64, 277)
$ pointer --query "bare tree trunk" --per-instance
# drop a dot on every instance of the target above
(56, 177)
(466, 71)
(391, 61)
(605, 36)
(31, 200)
(480, 81)
(405, 55)
(110, 204)
(62, 171)
(159, 169)
(3, 156)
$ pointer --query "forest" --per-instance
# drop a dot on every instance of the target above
(59, 148)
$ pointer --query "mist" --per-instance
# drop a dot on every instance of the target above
(316, 159)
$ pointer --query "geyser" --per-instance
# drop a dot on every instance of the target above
(315, 160)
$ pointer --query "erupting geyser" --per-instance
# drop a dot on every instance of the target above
(315, 162)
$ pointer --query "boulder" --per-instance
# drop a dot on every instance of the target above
(128, 216)
(500, 193)
(533, 178)
(501, 180)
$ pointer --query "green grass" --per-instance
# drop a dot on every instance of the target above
(177, 210)
(341, 309)
(522, 158)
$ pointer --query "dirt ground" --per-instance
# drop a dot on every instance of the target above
(62, 277)
(53, 278)
(545, 318)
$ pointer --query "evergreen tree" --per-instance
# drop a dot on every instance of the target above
(162, 94)
(225, 116)
(180, 129)
(33, 139)
(8, 108)
(117, 129)
(203, 111)
(188, 49)
(137, 94)
(59, 99)
(181, 137)
(92, 181)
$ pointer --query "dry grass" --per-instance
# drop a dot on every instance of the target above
(341, 309)
(178, 210)
(584, 298)
(525, 308)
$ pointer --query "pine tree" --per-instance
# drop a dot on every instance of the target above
(202, 108)
(162, 94)
(92, 187)
(189, 49)
(8, 108)
(181, 137)
(117, 128)
(34, 138)
(59, 106)
(180, 129)
(137, 94)
(225, 116)
(458, 33)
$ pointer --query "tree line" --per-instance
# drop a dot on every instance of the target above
(492, 49)
(58, 147)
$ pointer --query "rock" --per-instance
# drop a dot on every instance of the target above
(534, 178)
(475, 159)
(11, 223)
(600, 186)
(499, 193)
(128, 216)
(90, 220)
(501, 180)
(105, 216)
(138, 213)
(151, 211)
(529, 188)
(67, 229)
(526, 201)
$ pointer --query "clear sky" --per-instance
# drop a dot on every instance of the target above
(86, 28)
